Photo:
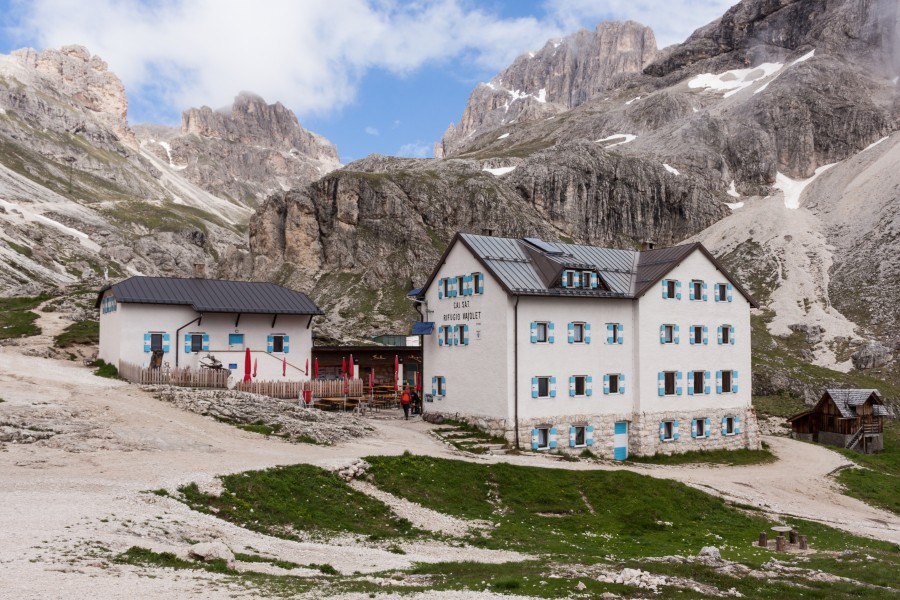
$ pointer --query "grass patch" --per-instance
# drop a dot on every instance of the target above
(23, 250)
(82, 332)
(466, 437)
(779, 406)
(261, 427)
(148, 558)
(294, 500)
(710, 457)
(104, 369)
(16, 318)
(879, 482)
(284, 564)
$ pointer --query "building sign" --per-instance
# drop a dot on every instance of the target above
(462, 311)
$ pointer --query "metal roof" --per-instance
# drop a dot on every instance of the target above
(213, 295)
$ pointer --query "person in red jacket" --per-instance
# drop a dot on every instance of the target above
(405, 401)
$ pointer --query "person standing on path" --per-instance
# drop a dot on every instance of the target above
(405, 400)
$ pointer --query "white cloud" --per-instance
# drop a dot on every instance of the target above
(371, 130)
(311, 55)
(415, 150)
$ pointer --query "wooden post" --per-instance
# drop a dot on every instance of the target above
(763, 539)
(779, 543)
(802, 545)
(793, 536)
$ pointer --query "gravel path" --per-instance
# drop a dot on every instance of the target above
(86, 486)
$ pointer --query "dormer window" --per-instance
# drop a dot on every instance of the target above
(570, 279)
(586, 280)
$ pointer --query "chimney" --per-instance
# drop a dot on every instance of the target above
(200, 270)
(647, 245)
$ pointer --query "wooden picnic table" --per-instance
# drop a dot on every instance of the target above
(338, 402)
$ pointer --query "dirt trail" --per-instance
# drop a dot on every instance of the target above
(87, 485)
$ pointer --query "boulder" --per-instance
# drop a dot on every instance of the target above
(710, 552)
(871, 356)
(210, 551)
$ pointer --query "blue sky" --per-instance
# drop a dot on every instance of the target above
(383, 76)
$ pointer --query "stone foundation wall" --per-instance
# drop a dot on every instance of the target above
(643, 431)
(833, 439)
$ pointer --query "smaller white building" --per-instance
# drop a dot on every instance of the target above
(186, 319)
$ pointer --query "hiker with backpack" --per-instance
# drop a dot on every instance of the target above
(405, 401)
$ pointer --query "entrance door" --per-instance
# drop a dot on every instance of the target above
(620, 441)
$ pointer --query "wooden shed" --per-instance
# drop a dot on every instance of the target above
(851, 419)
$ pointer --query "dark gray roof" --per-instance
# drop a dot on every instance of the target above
(213, 295)
(527, 267)
(847, 400)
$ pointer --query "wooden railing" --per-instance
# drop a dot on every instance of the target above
(183, 377)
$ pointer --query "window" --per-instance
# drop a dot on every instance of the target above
(671, 288)
(700, 428)
(728, 426)
(696, 290)
(580, 437)
(156, 342)
(277, 343)
(580, 385)
(671, 382)
(478, 279)
(446, 281)
(542, 332)
(543, 437)
(586, 280)
(697, 337)
(448, 335)
(667, 431)
(723, 292)
(726, 382)
(726, 334)
(614, 333)
(698, 384)
(543, 387)
(614, 383)
(440, 386)
(578, 333)
(668, 334)
(235, 341)
(570, 279)
(463, 337)
(196, 342)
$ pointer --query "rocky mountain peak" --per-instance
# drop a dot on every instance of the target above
(85, 79)
(563, 74)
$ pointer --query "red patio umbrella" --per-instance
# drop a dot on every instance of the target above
(372, 380)
(316, 369)
(350, 366)
(307, 367)
(346, 385)
(343, 366)
(248, 366)
(284, 366)
(418, 383)
(396, 372)
(255, 364)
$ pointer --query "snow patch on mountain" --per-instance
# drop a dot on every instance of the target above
(628, 137)
(671, 169)
(793, 188)
(498, 171)
(731, 82)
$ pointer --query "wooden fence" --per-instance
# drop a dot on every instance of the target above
(206, 378)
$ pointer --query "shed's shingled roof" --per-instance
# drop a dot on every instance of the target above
(524, 268)
(847, 400)
(213, 295)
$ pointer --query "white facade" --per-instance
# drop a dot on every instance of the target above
(493, 372)
(125, 327)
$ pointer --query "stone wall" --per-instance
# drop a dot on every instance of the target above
(643, 431)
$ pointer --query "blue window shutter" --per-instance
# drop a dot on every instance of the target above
(665, 288)
(434, 385)
(589, 435)
(456, 285)
(571, 331)
(718, 382)
(675, 431)
(621, 383)
(662, 334)
(678, 289)
(705, 336)
(466, 335)
(587, 333)
(287, 344)
(734, 382)
(187, 343)
(165, 343)
(534, 439)
(606, 385)
(440, 288)
(533, 332)
(694, 428)
(731, 334)
(737, 424)
(677, 383)
(691, 334)
(206, 342)
(677, 335)
(729, 292)
(479, 289)
(662, 431)
(716, 292)
(571, 385)
(550, 337)
(609, 331)
(564, 282)
(270, 340)
(553, 434)
(724, 425)
(553, 387)
(706, 428)
(662, 383)
(704, 292)
(571, 437)
(443, 386)
(719, 334)
(691, 291)
(594, 281)
(706, 378)
(146, 342)
(440, 335)
(588, 385)
(534, 387)
(456, 335)
(621, 338)
(690, 383)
